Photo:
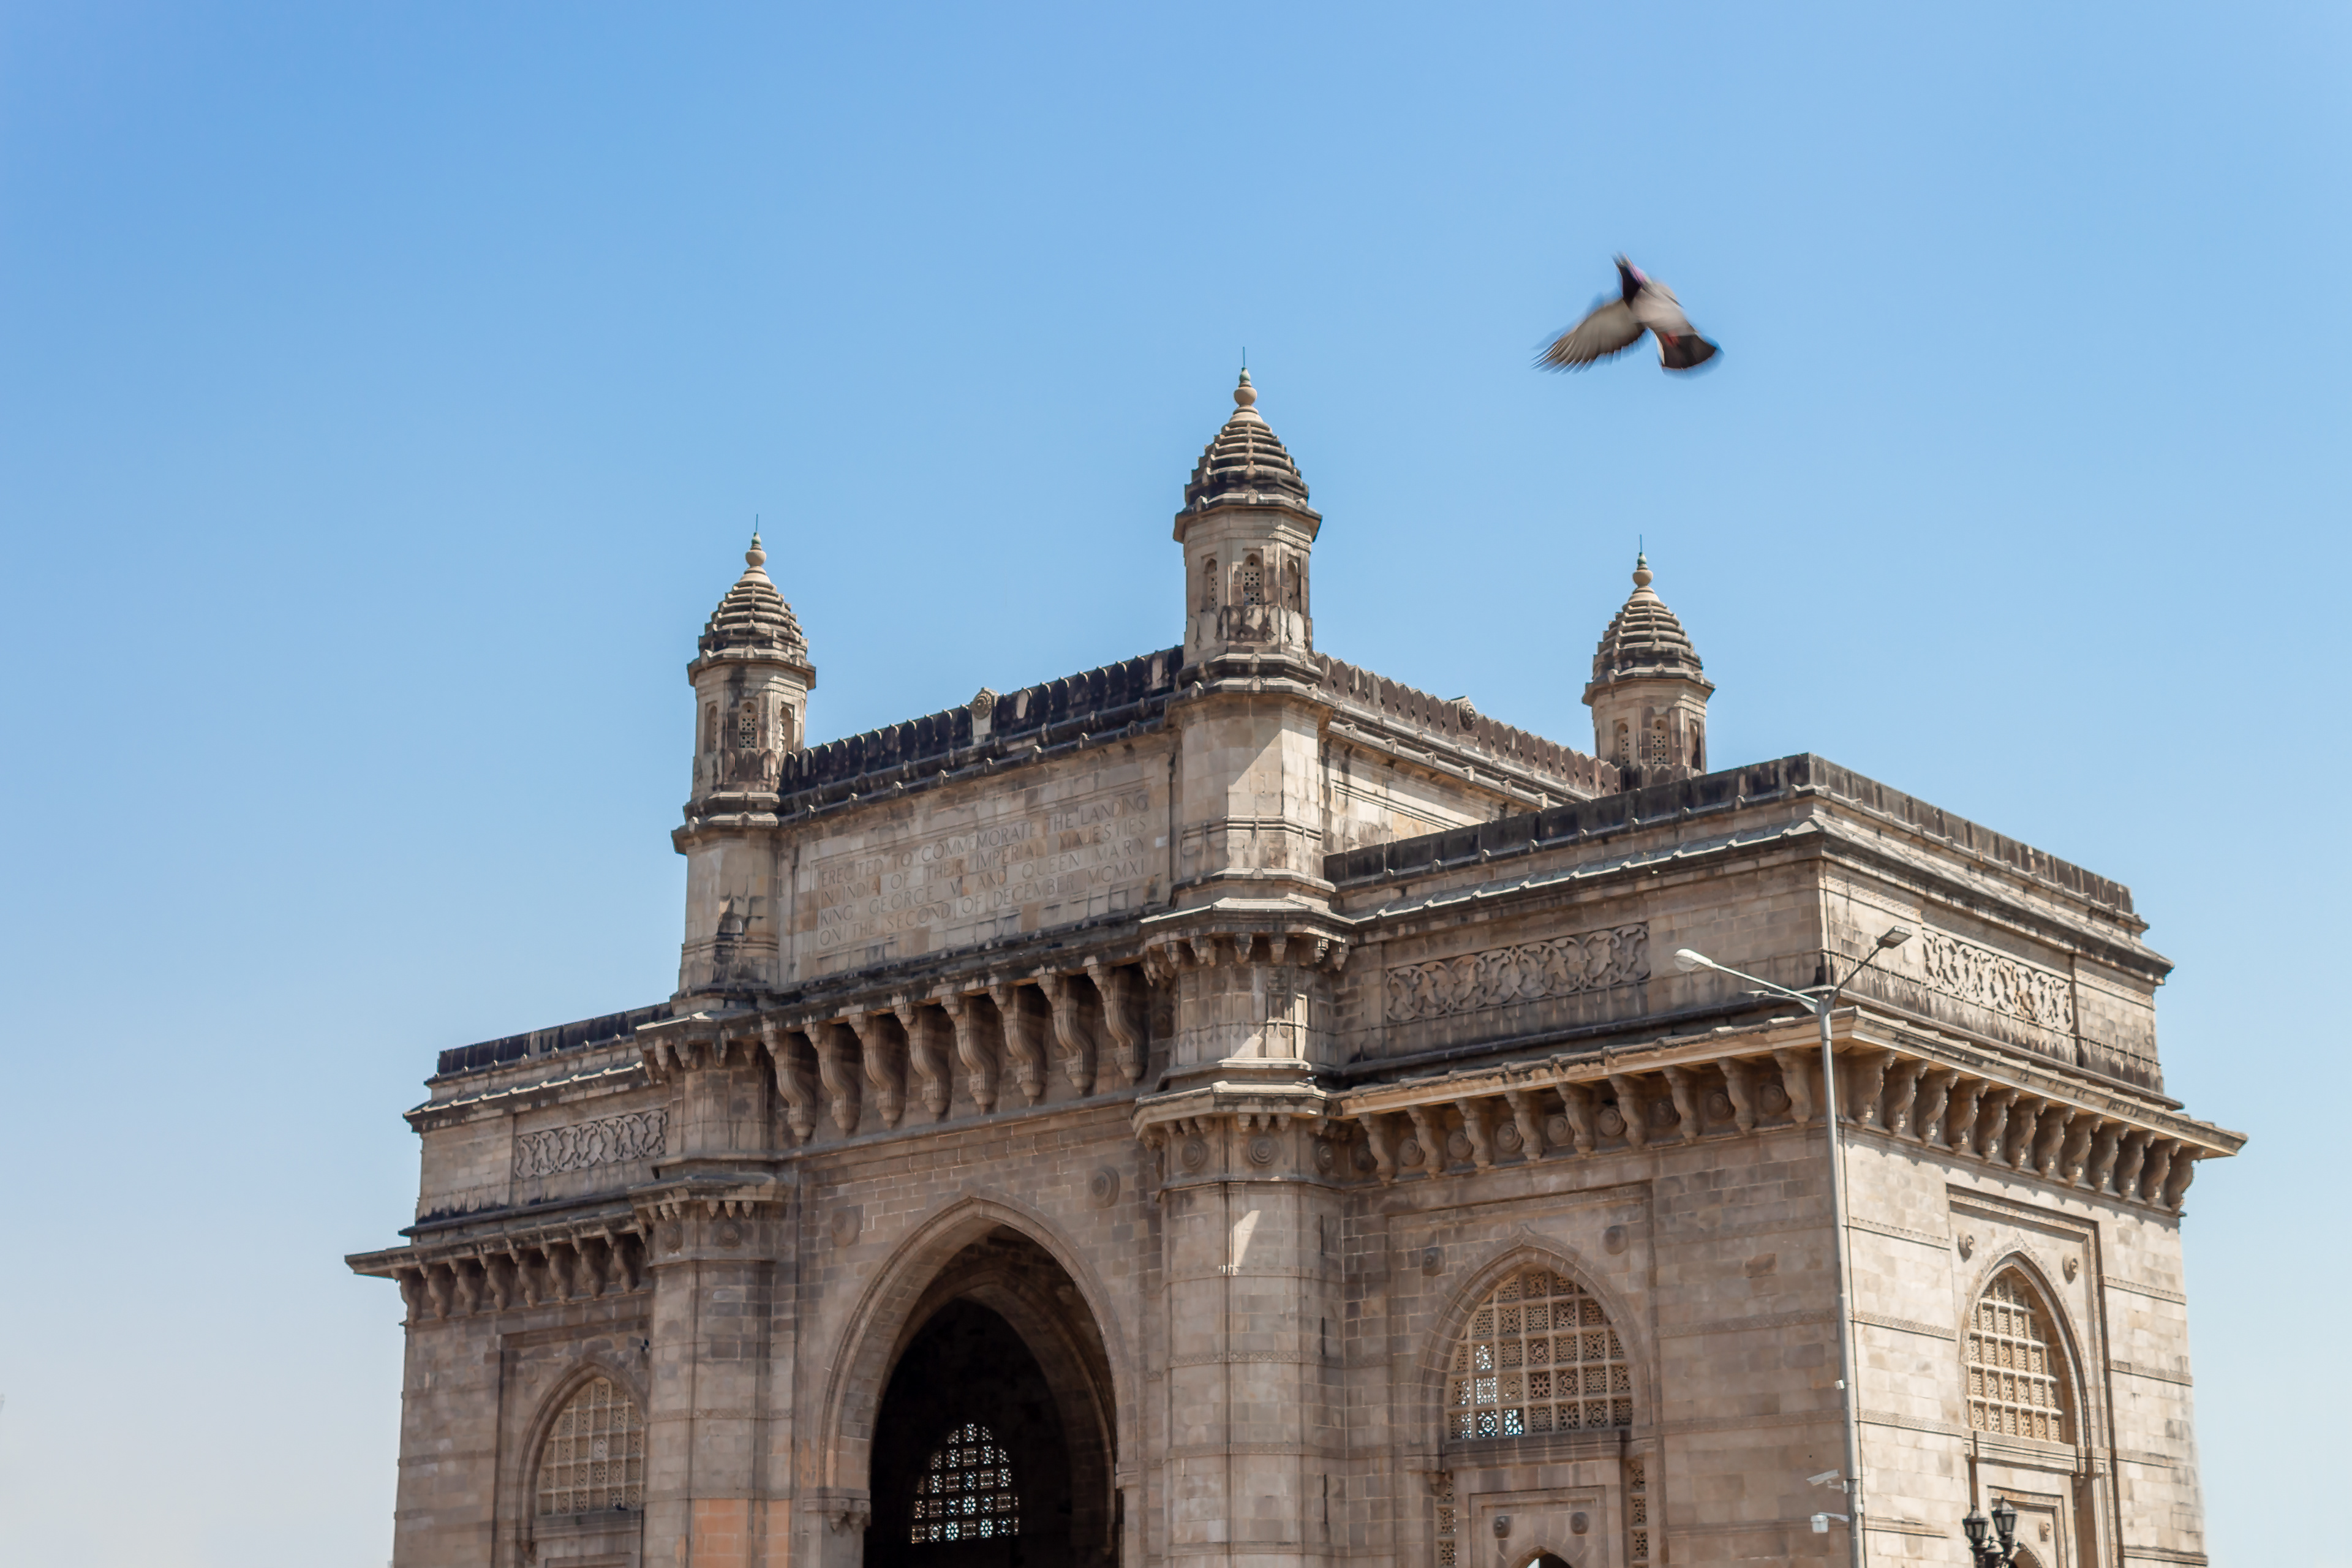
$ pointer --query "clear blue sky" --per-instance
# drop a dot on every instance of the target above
(385, 392)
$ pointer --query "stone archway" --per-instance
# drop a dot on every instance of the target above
(1001, 1350)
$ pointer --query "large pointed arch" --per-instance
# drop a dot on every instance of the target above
(906, 1288)
(1429, 1404)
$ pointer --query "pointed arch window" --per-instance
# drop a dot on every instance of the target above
(594, 1456)
(966, 1492)
(1538, 1355)
(2016, 1366)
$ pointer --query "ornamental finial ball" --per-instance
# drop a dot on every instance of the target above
(1641, 570)
(755, 556)
(1245, 394)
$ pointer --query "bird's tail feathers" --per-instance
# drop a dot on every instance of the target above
(1687, 352)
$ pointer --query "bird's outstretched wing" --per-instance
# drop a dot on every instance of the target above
(1611, 328)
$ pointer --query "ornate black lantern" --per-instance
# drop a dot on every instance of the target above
(1992, 1542)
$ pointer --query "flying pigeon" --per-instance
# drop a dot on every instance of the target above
(1643, 305)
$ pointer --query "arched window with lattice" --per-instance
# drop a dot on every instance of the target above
(1538, 1355)
(2016, 1365)
(966, 1492)
(595, 1454)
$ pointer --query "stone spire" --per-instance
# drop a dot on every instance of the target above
(752, 618)
(1244, 462)
(1247, 533)
(1648, 692)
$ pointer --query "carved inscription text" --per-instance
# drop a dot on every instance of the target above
(616, 1139)
(1533, 972)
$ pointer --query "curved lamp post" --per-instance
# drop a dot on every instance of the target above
(1819, 1000)
(2001, 1550)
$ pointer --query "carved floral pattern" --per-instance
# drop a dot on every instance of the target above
(1996, 983)
(1532, 972)
(638, 1135)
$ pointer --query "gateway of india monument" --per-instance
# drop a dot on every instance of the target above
(1229, 1109)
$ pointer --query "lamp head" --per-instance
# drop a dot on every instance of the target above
(1896, 936)
(1690, 962)
(2004, 1519)
(1974, 1523)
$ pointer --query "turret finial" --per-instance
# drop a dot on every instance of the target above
(1245, 394)
(756, 555)
(1640, 570)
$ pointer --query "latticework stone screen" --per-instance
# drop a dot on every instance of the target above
(2016, 1387)
(966, 1492)
(1538, 1356)
(595, 1457)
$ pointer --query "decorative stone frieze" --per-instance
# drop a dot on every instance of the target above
(1524, 972)
(612, 1140)
(1996, 982)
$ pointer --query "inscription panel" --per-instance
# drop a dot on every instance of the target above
(988, 868)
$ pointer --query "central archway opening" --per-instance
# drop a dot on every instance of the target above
(993, 1443)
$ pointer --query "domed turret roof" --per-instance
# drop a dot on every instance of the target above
(1644, 639)
(1246, 463)
(752, 618)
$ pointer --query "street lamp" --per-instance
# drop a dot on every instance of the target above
(1993, 1553)
(1819, 1000)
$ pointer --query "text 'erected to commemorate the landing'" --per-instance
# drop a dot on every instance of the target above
(1069, 855)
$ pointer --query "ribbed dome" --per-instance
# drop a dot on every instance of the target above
(1245, 462)
(753, 617)
(1645, 638)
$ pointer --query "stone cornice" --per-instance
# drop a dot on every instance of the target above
(1902, 1080)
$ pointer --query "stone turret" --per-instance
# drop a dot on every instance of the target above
(751, 679)
(1648, 694)
(1248, 532)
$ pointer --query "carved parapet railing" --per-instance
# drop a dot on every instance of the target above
(578, 1259)
(2065, 1131)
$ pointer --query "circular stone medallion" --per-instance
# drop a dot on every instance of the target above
(1262, 1149)
(1102, 1188)
(1610, 1124)
(1457, 1144)
(1195, 1153)
(1557, 1129)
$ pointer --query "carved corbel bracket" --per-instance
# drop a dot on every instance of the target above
(1116, 985)
(972, 1046)
(1380, 1136)
(1629, 1109)
(884, 1070)
(1070, 1032)
(926, 1052)
(792, 1077)
(1020, 1026)
(840, 1077)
